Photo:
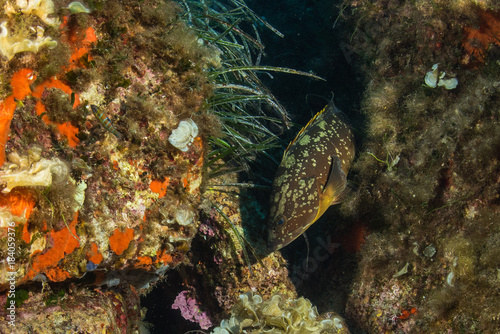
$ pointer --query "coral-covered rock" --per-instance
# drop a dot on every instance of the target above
(428, 172)
(78, 198)
(72, 310)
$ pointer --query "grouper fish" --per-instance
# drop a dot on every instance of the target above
(311, 176)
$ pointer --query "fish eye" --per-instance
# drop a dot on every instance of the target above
(282, 220)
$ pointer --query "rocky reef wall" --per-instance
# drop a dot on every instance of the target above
(91, 185)
(427, 176)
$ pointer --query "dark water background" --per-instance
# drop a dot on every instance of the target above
(311, 43)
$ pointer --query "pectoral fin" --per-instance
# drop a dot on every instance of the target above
(334, 188)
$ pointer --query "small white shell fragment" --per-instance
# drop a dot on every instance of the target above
(429, 251)
(338, 323)
(184, 135)
(431, 77)
(403, 271)
(184, 217)
(77, 7)
(448, 83)
(449, 278)
(79, 196)
(38, 245)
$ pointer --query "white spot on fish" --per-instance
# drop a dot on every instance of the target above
(305, 140)
(290, 161)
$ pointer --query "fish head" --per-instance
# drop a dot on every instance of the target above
(292, 212)
(275, 233)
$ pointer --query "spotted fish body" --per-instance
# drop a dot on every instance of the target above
(311, 176)
(105, 122)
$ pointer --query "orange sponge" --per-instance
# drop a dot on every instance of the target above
(63, 242)
(120, 241)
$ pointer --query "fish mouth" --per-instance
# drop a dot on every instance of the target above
(271, 241)
(272, 244)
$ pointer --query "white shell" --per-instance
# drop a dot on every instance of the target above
(431, 77)
(435, 78)
(77, 7)
(184, 217)
(448, 83)
(338, 323)
(184, 135)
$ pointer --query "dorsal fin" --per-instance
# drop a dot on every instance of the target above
(327, 107)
